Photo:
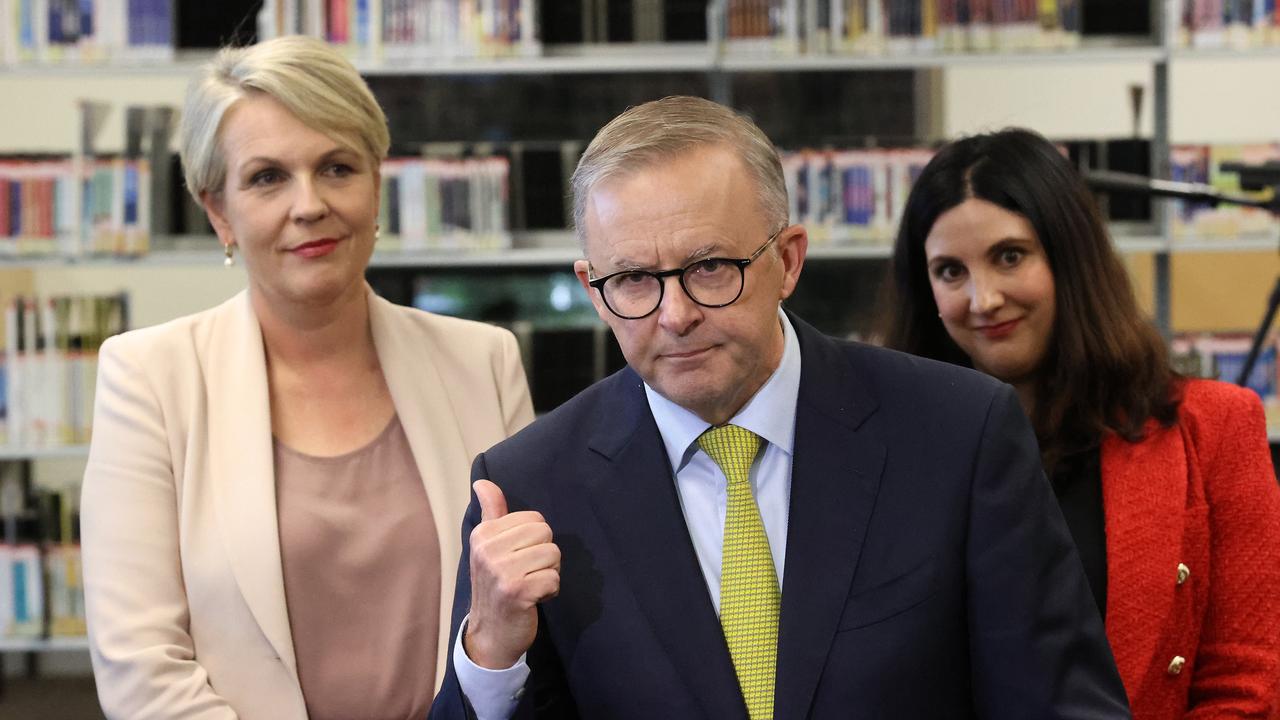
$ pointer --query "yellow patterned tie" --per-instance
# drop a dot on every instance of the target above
(749, 597)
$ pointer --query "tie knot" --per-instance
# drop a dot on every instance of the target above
(733, 448)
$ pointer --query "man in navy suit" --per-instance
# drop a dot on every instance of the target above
(878, 542)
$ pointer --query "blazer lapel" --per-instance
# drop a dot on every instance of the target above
(241, 466)
(635, 498)
(428, 417)
(1144, 490)
(835, 476)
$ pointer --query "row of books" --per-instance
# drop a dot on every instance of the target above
(1202, 164)
(85, 31)
(426, 204)
(89, 203)
(1221, 356)
(48, 208)
(1238, 24)
(851, 196)
(400, 30)
(49, 365)
(29, 574)
(41, 583)
(445, 203)
(900, 27)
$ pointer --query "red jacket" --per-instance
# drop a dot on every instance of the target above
(1200, 496)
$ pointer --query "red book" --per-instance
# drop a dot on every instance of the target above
(337, 21)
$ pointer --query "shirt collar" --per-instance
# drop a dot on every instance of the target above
(770, 413)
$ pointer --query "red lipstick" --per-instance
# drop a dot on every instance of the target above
(1000, 330)
(315, 248)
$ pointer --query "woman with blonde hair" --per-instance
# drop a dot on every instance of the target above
(274, 485)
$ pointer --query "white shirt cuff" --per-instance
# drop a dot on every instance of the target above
(493, 694)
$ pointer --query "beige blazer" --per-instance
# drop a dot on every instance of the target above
(183, 586)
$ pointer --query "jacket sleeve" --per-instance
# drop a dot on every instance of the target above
(546, 693)
(1237, 667)
(517, 406)
(142, 652)
(1037, 644)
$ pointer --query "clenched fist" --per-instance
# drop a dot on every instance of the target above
(514, 566)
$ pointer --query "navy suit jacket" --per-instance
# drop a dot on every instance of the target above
(929, 572)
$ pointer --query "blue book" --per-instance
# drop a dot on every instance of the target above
(134, 28)
(27, 24)
(163, 23)
(362, 37)
(131, 193)
(86, 18)
(21, 607)
(1262, 379)
(55, 22)
(15, 209)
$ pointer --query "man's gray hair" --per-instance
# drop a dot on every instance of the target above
(663, 129)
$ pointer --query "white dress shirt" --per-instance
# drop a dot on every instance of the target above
(703, 491)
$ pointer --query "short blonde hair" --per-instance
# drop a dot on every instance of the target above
(311, 79)
(662, 129)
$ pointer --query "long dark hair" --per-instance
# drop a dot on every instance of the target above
(1106, 368)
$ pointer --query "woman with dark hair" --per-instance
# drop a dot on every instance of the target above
(1002, 264)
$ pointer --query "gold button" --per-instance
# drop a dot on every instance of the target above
(1176, 664)
(1184, 572)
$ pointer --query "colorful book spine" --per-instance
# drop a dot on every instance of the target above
(432, 204)
(41, 582)
(1202, 164)
(1236, 24)
(49, 364)
(21, 591)
(381, 31)
(851, 196)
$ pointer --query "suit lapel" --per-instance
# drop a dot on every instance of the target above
(637, 504)
(241, 466)
(835, 476)
(428, 417)
(1144, 490)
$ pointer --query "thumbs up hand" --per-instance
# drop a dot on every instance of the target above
(514, 566)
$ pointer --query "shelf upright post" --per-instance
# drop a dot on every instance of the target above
(1161, 210)
(929, 103)
(719, 86)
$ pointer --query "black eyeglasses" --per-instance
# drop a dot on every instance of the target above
(711, 282)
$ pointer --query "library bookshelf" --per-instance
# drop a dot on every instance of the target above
(720, 60)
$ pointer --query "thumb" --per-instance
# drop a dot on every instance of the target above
(493, 504)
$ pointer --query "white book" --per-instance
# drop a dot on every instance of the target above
(413, 220)
(268, 19)
(40, 29)
(313, 18)
(836, 21)
(8, 33)
(73, 398)
(790, 44)
(141, 240)
(877, 29)
(88, 364)
(49, 386)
